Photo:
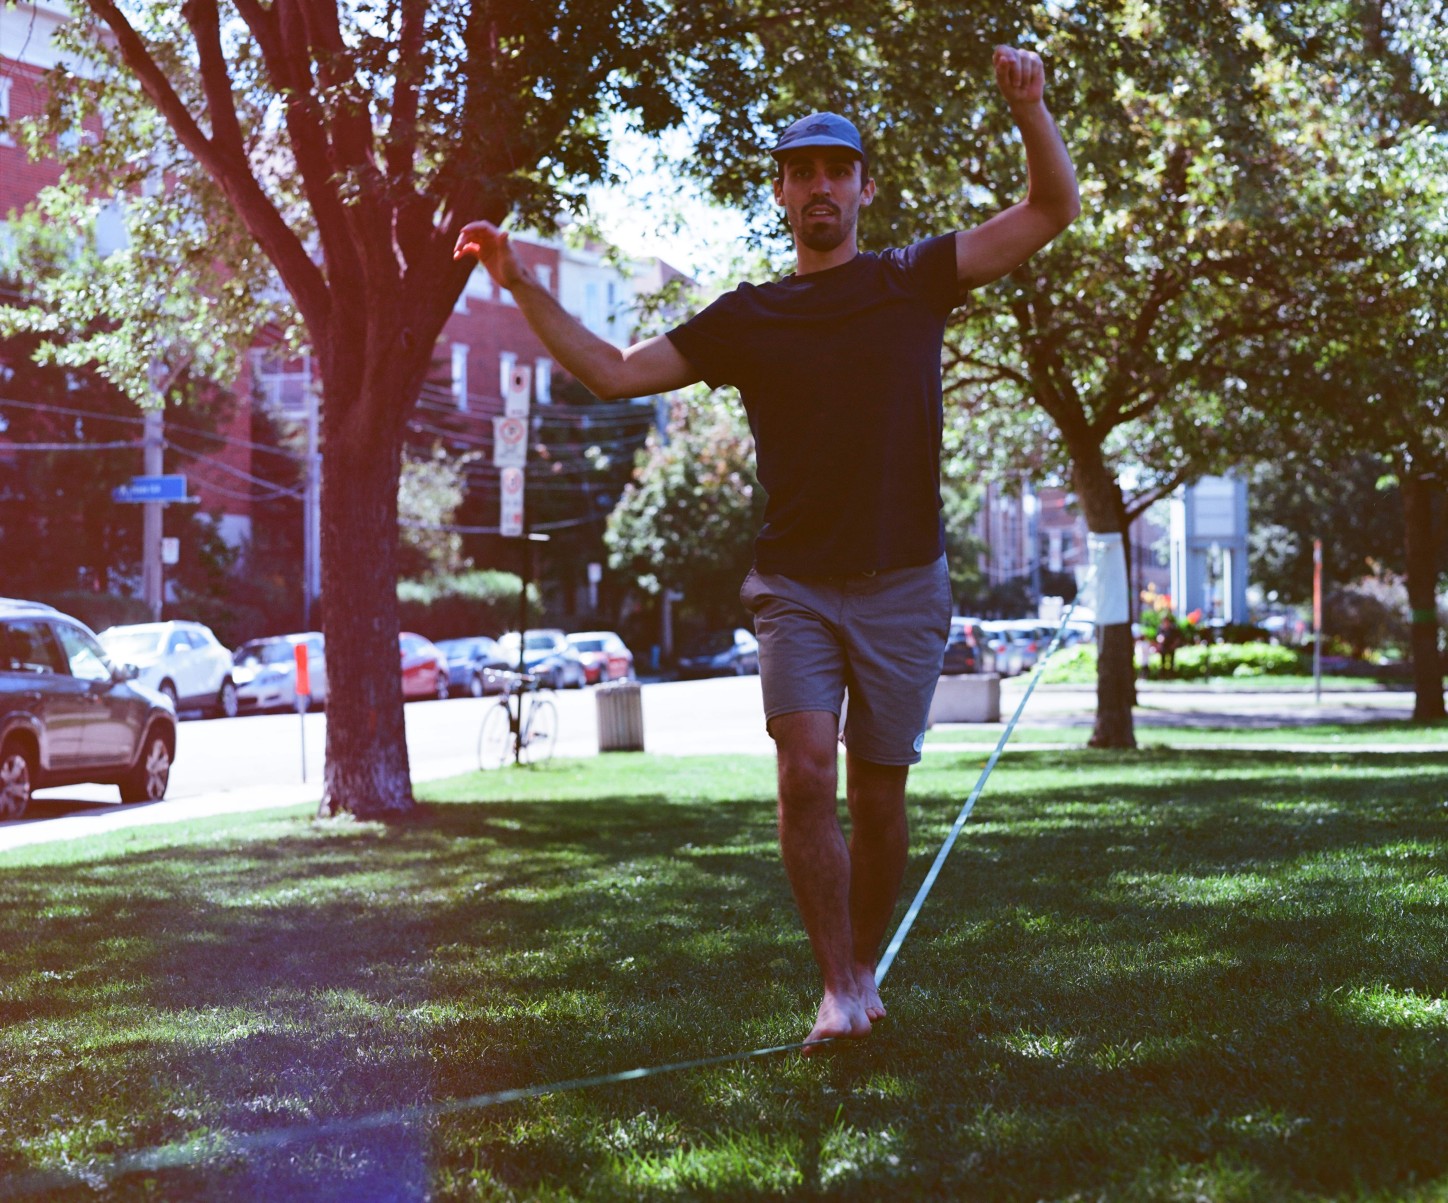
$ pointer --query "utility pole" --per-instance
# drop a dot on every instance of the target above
(152, 581)
(311, 505)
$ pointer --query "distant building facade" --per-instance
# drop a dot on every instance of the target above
(486, 338)
(1036, 546)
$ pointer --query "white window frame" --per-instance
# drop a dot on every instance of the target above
(460, 353)
(543, 381)
(5, 83)
(507, 361)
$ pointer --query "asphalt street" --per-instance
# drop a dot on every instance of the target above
(229, 765)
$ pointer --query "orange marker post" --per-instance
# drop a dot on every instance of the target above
(304, 695)
(304, 677)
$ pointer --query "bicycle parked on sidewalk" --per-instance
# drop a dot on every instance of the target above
(521, 727)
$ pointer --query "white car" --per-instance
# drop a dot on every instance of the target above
(265, 671)
(183, 660)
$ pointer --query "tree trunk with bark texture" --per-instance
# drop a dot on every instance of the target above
(1420, 554)
(1105, 510)
(367, 768)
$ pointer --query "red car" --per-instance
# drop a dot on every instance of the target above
(424, 667)
(605, 656)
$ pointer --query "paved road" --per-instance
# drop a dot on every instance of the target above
(226, 765)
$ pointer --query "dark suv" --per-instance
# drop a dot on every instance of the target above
(967, 648)
(68, 715)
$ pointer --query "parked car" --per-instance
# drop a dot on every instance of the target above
(730, 652)
(473, 664)
(68, 714)
(548, 655)
(424, 667)
(183, 660)
(967, 648)
(605, 656)
(1010, 651)
(1034, 639)
(265, 671)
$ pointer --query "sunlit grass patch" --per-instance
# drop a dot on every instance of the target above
(1162, 975)
(1393, 1007)
(717, 1165)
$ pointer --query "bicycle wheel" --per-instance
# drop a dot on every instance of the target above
(495, 740)
(542, 731)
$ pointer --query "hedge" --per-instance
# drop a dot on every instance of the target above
(1077, 665)
(483, 602)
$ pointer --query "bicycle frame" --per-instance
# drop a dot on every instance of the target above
(523, 701)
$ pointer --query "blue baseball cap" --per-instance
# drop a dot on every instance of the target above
(819, 129)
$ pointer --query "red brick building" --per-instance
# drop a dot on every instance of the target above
(485, 339)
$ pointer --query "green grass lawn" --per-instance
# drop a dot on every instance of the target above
(1170, 975)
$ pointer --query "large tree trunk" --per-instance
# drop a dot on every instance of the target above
(367, 770)
(1421, 556)
(1105, 510)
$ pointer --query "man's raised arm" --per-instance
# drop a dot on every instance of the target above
(1008, 239)
(651, 366)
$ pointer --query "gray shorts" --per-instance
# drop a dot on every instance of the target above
(876, 639)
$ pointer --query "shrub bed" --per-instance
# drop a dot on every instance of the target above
(1197, 662)
(1234, 660)
(471, 603)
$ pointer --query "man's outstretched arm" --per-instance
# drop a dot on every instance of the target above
(609, 372)
(1008, 239)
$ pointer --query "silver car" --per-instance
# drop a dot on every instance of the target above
(183, 660)
(265, 671)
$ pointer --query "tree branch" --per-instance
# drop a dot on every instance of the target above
(351, 123)
(1143, 501)
(402, 130)
(233, 175)
(288, 59)
(205, 24)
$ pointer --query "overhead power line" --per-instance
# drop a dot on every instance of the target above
(70, 446)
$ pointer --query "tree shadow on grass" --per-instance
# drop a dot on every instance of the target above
(1138, 980)
(334, 972)
(1224, 968)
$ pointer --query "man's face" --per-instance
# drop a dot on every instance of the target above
(821, 193)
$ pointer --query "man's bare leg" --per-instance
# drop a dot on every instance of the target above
(817, 861)
(879, 848)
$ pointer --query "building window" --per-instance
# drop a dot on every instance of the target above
(507, 361)
(5, 139)
(592, 315)
(460, 374)
(543, 381)
(545, 276)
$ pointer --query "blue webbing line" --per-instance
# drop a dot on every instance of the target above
(190, 1152)
(906, 923)
(216, 1145)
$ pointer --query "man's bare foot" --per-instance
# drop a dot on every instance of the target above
(841, 1017)
(869, 992)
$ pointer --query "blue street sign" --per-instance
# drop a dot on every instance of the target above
(151, 488)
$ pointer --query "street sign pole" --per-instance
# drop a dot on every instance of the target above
(1317, 621)
(511, 434)
(152, 573)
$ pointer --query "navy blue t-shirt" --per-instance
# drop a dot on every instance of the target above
(839, 371)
